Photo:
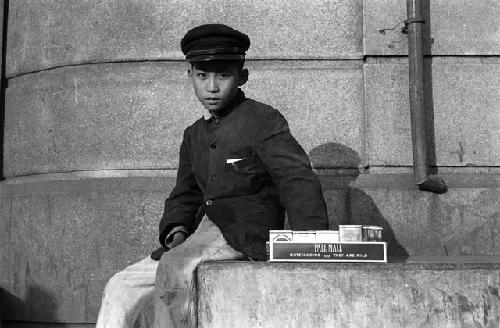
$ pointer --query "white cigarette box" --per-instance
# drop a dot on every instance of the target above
(350, 233)
(280, 235)
(304, 236)
(327, 236)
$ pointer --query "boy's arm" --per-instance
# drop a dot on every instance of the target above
(184, 200)
(290, 169)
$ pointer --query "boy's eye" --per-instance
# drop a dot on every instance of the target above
(201, 75)
(224, 75)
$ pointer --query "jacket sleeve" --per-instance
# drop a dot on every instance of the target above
(185, 199)
(290, 169)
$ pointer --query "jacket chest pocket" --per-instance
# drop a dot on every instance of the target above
(242, 161)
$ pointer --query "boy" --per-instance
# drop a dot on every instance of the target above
(240, 169)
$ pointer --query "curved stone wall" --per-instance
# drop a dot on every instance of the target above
(96, 104)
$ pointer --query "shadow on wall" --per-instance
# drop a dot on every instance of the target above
(359, 208)
(38, 306)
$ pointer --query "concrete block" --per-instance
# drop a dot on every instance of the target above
(243, 294)
(62, 240)
(111, 116)
(51, 33)
(131, 116)
(464, 101)
(322, 101)
(458, 27)
(464, 221)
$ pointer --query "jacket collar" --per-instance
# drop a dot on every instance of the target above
(237, 100)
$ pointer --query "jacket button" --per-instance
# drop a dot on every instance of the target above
(217, 121)
(213, 146)
(208, 202)
(213, 178)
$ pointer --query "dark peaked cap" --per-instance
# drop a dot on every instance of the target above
(214, 42)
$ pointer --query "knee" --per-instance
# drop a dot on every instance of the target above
(127, 284)
(114, 288)
(174, 261)
(174, 274)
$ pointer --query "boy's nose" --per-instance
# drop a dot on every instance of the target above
(212, 85)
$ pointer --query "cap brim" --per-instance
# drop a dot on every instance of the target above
(210, 57)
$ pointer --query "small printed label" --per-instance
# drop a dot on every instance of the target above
(329, 252)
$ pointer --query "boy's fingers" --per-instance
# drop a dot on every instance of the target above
(157, 253)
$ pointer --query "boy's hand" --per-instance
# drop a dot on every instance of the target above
(156, 254)
(178, 239)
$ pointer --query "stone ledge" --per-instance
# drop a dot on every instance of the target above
(243, 294)
(80, 233)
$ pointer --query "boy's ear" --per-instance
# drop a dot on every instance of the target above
(190, 72)
(243, 77)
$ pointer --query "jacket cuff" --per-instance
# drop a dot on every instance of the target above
(170, 236)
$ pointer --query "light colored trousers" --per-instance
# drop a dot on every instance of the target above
(162, 294)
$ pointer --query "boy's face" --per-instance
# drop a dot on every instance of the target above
(216, 82)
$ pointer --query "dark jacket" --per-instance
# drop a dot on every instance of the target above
(244, 169)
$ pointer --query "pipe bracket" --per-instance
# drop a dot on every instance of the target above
(407, 22)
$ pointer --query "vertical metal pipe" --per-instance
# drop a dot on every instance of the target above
(414, 26)
(4, 10)
(416, 73)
